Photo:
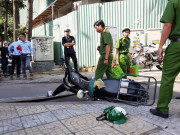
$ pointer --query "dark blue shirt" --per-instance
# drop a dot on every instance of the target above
(70, 49)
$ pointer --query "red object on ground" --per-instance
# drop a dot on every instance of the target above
(114, 65)
(19, 48)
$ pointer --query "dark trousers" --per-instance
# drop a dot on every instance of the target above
(16, 61)
(4, 65)
(74, 59)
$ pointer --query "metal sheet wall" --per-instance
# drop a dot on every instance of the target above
(119, 14)
(87, 36)
(127, 13)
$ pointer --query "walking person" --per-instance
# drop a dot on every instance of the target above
(68, 42)
(26, 56)
(16, 60)
(171, 62)
(122, 49)
(4, 57)
(106, 47)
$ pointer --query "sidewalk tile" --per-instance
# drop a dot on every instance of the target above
(38, 119)
(81, 123)
(24, 110)
(99, 130)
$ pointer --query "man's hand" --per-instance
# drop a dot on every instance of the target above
(105, 62)
(0, 57)
(20, 52)
(114, 60)
(9, 56)
(66, 45)
(130, 57)
(160, 54)
(98, 48)
(31, 58)
(164, 36)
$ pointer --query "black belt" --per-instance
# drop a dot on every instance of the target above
(15, 55)
(175, 39)
(25, 54)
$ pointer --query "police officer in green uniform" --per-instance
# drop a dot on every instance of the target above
(122, 49)
(105, 50)
(171, 62)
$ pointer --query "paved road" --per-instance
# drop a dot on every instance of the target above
(71, 116)
(39, 87)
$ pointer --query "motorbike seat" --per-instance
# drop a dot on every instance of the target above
(112, 88)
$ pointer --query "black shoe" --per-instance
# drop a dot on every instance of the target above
(157, 112)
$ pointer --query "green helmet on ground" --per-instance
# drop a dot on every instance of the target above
(117, 115)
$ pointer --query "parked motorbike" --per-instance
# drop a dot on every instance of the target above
(8, 67)
(147, 56)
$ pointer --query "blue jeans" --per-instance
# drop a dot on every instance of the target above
(25, 61)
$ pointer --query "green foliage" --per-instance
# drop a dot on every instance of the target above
(20, 5)
(3, 9)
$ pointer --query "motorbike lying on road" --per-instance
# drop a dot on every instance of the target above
(123, 90)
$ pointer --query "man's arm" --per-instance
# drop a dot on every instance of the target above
(69, 44)
(107, 54)
(9, 48)
(117, 48)
(30, 49)
(164, 36)
(115, 55)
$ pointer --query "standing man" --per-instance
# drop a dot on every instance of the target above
(105, 50)
(68, 42)
(122, 49)
(26, 56)
(171, 62)
(16, 60)
(4, 57)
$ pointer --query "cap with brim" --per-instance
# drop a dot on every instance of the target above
(5, 42)
(66, 30)
(126, 29)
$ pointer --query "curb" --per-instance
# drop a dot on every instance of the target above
(32, 99)
(87, 69)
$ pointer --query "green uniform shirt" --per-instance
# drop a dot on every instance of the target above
(106, 39)
(123, 45)
(172, 15)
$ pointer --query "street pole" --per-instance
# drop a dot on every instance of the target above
(52, 5)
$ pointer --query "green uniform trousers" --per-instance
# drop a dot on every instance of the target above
(171, 68)
(101, 68)
(124, 62)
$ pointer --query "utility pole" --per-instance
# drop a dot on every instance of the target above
(15, 27)
(29, 19)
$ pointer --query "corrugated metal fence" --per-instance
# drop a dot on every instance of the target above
(118, 14)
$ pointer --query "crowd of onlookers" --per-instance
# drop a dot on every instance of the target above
(21, 54)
